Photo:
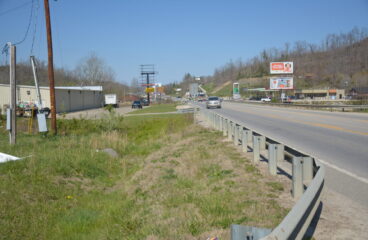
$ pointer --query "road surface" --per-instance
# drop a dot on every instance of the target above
(337, 139)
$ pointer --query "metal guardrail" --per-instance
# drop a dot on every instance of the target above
(307, 178)
(185, 110)
(320, 106)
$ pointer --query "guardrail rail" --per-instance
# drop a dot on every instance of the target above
(307, 177)
(343, 108)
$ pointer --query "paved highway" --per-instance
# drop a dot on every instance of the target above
(338, 139)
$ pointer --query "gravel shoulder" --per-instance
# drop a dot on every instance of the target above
(96, 113)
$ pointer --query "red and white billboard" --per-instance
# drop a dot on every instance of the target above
(281, 83)
(281, 67)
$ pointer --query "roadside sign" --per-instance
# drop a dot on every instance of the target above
(160, 89)
(281, 83)
(236, 94)
(281, 67)
(149, 90)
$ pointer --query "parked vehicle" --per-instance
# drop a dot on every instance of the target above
(137, 104)
(145, 102)
(111, 99)
(266, 99)
(255, 98)
(213, 102)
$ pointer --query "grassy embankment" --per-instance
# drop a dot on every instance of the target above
(172, 180)
(156, 108)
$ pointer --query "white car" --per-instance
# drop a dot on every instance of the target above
(266, 99)
(213, 102)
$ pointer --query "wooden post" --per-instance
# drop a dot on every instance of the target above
(13, 95)
(50, 67)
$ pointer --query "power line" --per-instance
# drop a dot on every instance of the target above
(15, 8)
(28, 27)
(35, 26)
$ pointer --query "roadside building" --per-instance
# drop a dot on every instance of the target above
(68, 99)
(193, 90)
(320, 94)
(359, 93)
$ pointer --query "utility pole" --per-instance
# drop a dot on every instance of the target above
(147, 70)
(50, 67)
(35, 76)
(13, 94)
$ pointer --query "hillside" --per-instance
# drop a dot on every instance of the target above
(340, 61)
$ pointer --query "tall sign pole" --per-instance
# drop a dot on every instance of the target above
(13, 94)
(50, 67)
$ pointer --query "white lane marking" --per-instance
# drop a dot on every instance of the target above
(350, 174)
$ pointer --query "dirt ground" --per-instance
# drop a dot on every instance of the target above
(338, 217)
(96, 113)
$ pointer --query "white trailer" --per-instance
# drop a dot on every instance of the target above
(111, 99)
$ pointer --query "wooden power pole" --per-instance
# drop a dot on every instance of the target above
(50, 67)
(13, 95)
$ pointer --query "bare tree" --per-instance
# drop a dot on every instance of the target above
(93, 70)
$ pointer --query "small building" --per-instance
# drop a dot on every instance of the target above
(320, 94)
(68, 99)
(359, 93)
(193, 90)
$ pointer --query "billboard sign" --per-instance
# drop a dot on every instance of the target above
(281, 83)
(149, 90)
(281, 67)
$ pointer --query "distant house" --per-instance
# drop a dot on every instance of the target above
(359, 92)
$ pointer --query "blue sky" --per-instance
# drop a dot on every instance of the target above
(194, 36)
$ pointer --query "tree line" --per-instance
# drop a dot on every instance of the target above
(339, 61)
(91, 71)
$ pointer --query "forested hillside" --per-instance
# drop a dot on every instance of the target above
(339, 61)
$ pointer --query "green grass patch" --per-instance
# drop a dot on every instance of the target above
(156, 108)
(172, 180)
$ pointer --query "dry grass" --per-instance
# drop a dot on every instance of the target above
(198, 185)
(172, 180)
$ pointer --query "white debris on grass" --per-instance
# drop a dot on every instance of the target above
(6, 157)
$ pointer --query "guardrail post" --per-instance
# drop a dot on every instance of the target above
(297, 187)
(233, 125)
(272, 154)
(221, 124)
(249, 135)
(229, 130)
(244, 140)
(280, 153)
(263, 143)
(224, 127)
(256, 148)
(307, 170)
(236, 135)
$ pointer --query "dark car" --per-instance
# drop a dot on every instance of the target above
(255, 98)
(145, 102)
(136, 104)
